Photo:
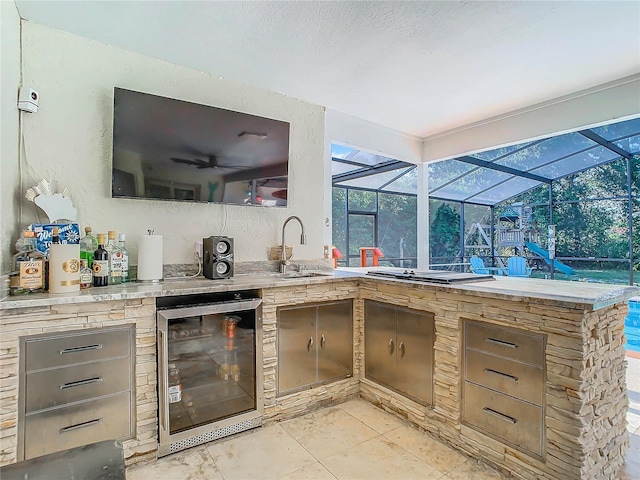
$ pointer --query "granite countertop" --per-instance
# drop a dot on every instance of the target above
(591, 296)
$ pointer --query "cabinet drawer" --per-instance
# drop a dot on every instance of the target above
(76, 347)
(76, 425)
(512, 421)
(51, 388)
(521, 346)
(512, 378)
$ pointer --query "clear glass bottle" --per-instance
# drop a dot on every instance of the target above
(115, 259)
(124, 262)
(88, 245)
(28, 267)
(100, 264)
(86, 274)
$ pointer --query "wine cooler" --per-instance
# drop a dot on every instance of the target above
(209, 367)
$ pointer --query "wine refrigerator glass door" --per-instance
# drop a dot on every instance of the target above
(208, 371)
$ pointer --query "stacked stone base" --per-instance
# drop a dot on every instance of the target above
(586, 402)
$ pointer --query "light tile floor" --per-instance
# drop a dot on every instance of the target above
(354, 440)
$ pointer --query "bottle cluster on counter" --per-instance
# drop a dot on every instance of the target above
(68, 267)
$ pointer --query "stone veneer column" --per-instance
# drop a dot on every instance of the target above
(19, 322)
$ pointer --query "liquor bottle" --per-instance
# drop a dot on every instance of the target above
(28, 267)
(115, 259)
(88, 245)
(55, 236)
(124, 262)
(86, 274)
(100, 264)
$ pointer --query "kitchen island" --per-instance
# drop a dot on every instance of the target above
(580, 326)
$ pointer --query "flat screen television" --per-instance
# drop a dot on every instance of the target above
(170, 149)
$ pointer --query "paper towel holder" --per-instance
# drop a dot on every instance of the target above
(150, 269)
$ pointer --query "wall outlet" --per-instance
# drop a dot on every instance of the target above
(197, 248)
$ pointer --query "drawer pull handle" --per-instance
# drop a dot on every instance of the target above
(501, 416)
(80, 383)
(309, 344)
(80, 349)
(502, 343)
(323, 341)
(401, 349)
(390, 346)
(506, 375)
(81, 425)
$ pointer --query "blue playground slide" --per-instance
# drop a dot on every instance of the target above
(541, 252)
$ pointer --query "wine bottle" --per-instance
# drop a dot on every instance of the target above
(100, 264)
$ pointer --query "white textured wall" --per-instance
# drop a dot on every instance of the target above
(69, 139)
(9, 175)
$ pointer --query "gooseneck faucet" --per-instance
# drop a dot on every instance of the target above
(303, 241)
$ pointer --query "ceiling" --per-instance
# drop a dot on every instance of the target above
(418, 67)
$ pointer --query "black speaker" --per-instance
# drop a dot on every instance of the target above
(217, 261)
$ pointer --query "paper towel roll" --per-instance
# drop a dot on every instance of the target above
(64, 268)
(150, 258)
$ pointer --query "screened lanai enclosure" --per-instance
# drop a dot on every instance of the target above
(568, 204)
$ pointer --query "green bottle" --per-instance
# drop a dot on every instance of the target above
(88, 245)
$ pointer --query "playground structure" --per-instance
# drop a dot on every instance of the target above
(513, 233)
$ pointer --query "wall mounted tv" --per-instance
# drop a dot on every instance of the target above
(169, 149)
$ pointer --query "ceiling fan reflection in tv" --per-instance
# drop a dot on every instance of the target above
(211, 163)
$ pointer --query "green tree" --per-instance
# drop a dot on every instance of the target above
(444, 234)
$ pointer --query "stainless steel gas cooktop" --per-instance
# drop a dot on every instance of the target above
(431, 276)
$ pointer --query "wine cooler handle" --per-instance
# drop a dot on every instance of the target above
(323, 341)
(309, 344)
(390, 346)
(162, 341)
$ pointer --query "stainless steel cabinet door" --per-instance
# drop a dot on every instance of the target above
(414, 355)
(334, 341)
(297, 354)
(380, 343)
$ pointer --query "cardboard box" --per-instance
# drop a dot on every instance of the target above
(69, 233)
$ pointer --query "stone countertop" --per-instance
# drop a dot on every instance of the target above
(590, 296)
(175, 286)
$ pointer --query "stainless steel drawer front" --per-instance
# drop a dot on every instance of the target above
(512, 421)
(80, 424)
(509, 377)
(68, 349)
(504, 342)
(51, 388)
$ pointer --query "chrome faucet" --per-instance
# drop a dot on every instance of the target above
(303, 241)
